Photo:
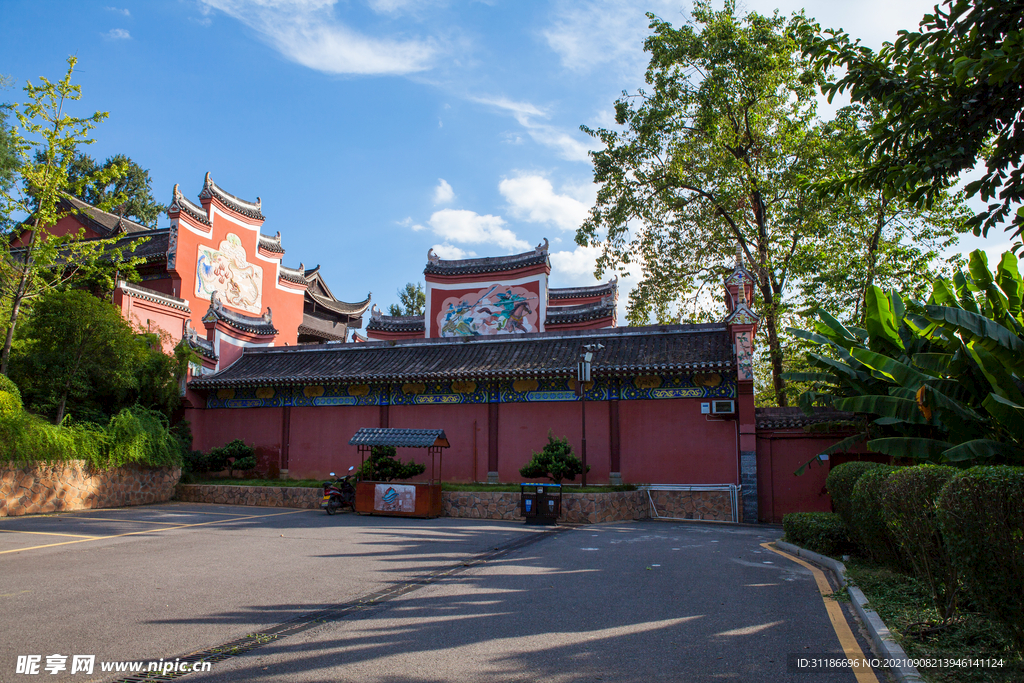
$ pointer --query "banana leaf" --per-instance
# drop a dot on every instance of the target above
(984, 449)
(1009, 280)
(880, 319)
(942, 294)
(900, 373)
(1009, 414)
(996, 374)
(910, 447)
(964, 294)
(903, 409)
(836, 327)
(1001, 342)
(934, 362)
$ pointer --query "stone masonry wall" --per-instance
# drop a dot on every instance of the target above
(74, 485)
(267, 496)
(577, 508)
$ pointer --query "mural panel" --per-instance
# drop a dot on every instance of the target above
(227, 271)
(497, 309)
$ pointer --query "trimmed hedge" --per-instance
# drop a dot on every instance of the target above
(822, 532)
(869, 525)
(981, 516)
(909, 503)
(840, 483)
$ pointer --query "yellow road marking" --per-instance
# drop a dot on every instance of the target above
(45, 533)
(123, 521)
(149, 531)
(838, 619)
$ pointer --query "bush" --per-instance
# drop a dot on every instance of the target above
(840, 483)
(235, 455)
(556, 462)
(383, 466)
(909, 502)
(869, 526)
(822, 532)
(139, 435)
(981, 515)
(10, 396)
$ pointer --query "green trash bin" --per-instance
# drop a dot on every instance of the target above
(541, 503)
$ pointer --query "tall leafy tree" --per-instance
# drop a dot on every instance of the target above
(44, 260)
(412, 300)
(130, 192)
(713, 156)
(950, 94)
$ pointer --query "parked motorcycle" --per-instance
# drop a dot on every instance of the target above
(339, 493)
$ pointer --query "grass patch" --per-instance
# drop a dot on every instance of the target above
(905, 605)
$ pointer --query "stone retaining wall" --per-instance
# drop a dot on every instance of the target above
(267, 496)
(74, 485)
(577, 508)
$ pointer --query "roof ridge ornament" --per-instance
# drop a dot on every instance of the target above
(543, 246)
(375, 312)
(431, 256)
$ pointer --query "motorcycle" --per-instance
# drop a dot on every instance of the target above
(339, 493)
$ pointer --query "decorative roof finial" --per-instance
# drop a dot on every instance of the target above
(268, 317)
(375, 312)
(431, 256)
(208, 180)
(543, 246)
(302, 267)
(278, 236)
(739, 255)
(259, 203)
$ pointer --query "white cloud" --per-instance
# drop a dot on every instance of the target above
(576, 269)
(603, 33)
(125, 12)
(460, 225)
(117, 34)
(545, 134)
(450, 252)
(532, 198)
(306, 32)
(443, 193)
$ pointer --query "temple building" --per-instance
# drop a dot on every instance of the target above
(213, 279)
(497, 296)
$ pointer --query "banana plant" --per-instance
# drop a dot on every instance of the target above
(939, 381)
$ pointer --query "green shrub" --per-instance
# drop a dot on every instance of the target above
(10, 396)
(840, 483)
(555, 462)
(870, 528)
(383, 466)
(821, 532)
(909, 503)
(140, 435)
(235, 455)
(981, 515)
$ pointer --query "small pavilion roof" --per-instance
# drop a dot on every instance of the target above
(407, 438)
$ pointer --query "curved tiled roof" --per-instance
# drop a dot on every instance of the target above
(154, 296)
(271, 243)
(199, 344)
(236, 204)
(262, 325)
(581, 312)
(628, 350)
(342, 307)
(796, 418)
(562, 293)
(296, 275)
(492, 264)
(397, 323)
(104, 223)
(180, 204)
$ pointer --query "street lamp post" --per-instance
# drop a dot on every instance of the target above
(582, 377)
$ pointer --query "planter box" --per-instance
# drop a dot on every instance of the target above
(409, 499)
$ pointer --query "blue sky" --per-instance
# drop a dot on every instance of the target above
(373, 130)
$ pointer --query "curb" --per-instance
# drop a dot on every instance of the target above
(877, 629)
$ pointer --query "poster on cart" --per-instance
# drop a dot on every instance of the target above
(394, 498)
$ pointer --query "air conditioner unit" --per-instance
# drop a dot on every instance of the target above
(723, 407)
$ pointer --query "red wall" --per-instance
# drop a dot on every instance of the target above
(670, 442)
(523, 429)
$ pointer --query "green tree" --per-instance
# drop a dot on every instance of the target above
(383, 465)
(555, 462)
(412, 300)
(130, 191)
(950, 95)
(75, 345)
(44, 260)
(8, 158)
(712, 157)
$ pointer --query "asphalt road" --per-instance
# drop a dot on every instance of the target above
(645, 601)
